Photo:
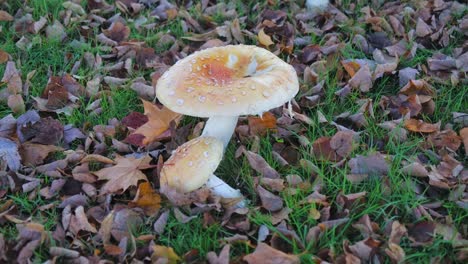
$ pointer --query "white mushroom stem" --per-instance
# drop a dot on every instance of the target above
(222, 189)
(221, 127)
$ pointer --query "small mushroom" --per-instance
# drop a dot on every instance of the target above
(222, 83)
(192, 165)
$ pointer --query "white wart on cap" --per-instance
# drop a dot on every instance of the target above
(192, 164)
(227, 81)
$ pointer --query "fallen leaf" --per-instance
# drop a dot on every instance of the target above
(4, 16)
(464, 136)
(260, 165)
(223, 257)
(422, 232)
(362, 79)
(79, 222)
(7, 125)
(260, 125)
(46, 131)
(4, 57)
(160, 224)
(363, 167)
(16, 103)
(416, 125)
(365, 249)
(266, 254)
(351, 67)
(395, 252)
(415, 169)
(34, 154)
(124, 174)
(9, 153)
(162, 252)
(422, 29)
(264, 39)
(407, 74)
(147, 199)
(444, 139)
(335, 148)
(63, 252)
(134, 120)
(12, 78)
(117, 32)
(342, 143)
(159, 121)
(270, 201)
(323, 151)
(124, 222)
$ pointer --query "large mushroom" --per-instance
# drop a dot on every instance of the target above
(192, 165)
(222, 83)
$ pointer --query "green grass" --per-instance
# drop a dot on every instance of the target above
(389, 198)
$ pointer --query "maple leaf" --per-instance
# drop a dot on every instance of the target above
(158, 122)
(124, 174)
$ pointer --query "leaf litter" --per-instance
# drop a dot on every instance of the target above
(102, 181)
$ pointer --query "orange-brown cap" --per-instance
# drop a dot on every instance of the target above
(192, 164)
(227, 81)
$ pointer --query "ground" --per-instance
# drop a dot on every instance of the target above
(370, 167)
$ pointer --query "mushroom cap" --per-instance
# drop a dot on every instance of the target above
(192, 163)
(227, 81)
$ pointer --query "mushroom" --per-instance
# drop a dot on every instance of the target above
(192, 165)
(222, 83)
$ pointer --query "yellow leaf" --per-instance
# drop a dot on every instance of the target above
(164, 252)
(159, 121)
(264, 39)
(147, 199)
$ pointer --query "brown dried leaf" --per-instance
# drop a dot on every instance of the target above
(9, 153)
(422, 232)
(464, 136)
(422, 29)
(117, 32)
(16, 103)
(365, 249)
(223, 257)
(266, 254)
(260, 165)
(342, 143)
(445, 139)
(12, 78)
(415, 169)
(362, 167)
(124, 174)
(420, 126)
(260, 125)
(34, 154)
(46, 131)
(270, 201)
(147, 199)
(4, 16)
(4, 57)
(362, 79)
(159, 121)
(79, 222)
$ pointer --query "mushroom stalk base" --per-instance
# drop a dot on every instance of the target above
(220, 127)
(222, 189)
